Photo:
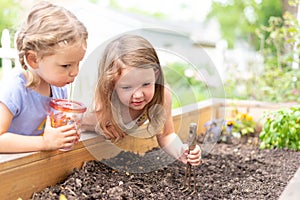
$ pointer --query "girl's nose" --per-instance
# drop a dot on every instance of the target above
(138, 93)
(74, 71)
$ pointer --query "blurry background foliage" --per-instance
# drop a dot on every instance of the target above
(264, 24)
(186, 84)
(269, 27)
(9, 18)
(278, 81)
(239, 19)
(9, 15)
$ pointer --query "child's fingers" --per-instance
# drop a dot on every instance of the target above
(67, 145)
(70, 133)
(109, 136)
(68, 127)
(48, 121)
(194, 156)
(196, 151)
(76, 140)
(70, 139)
(194, 162)
(112, 134)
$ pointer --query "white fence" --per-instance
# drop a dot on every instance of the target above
(8, 54)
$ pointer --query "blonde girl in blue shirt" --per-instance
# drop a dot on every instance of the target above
(51, 43)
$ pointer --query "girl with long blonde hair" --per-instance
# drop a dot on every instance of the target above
(131, 92)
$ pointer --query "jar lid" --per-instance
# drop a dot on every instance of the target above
(66, 105)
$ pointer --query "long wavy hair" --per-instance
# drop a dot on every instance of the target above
(133, 51)
(46, 28)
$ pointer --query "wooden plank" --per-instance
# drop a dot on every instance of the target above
(199, 113)
(22, 180)
(25, 158)
(291, 191)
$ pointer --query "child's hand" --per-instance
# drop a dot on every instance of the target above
(59, 138)
(193, 157)
(112, 134)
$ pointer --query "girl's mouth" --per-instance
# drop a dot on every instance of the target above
(137, 103)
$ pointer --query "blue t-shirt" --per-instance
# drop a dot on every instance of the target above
(28, 107)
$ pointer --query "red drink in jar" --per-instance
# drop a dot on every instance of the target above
(64, 111)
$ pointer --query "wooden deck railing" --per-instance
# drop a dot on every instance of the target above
(8, 54)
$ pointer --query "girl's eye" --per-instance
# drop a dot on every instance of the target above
(125, 87)
(65, 66)
(146, 84)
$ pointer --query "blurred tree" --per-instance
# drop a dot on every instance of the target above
(9, 15)
(280, 48)
(239, 19)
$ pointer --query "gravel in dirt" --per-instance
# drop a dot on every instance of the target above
(240, 171)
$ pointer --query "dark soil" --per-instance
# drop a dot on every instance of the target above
(240, 171)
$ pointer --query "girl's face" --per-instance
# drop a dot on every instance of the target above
(62, 67)
(135, 87)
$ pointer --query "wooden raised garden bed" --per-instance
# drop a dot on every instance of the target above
(23, 174)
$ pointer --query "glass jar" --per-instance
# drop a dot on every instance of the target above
(64, 111)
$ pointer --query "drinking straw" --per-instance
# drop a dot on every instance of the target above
(71, 92)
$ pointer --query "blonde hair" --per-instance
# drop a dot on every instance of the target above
(47, 27)
(133, 51)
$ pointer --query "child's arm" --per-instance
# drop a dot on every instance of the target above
(172, 144)
(53, 138)
(89, 123)
(170, 141)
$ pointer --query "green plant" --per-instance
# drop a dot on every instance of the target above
(281, 129)
(9, 15)
(251, 14)
(9, 18)
(280, 48)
